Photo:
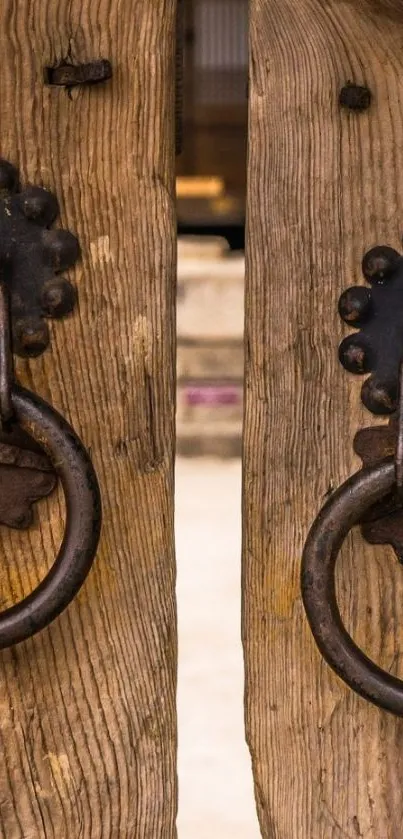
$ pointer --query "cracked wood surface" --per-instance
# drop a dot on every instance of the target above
(324, 186)
(87, 723)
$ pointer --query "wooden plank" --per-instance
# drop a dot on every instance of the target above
(88, 726)
(323, 188)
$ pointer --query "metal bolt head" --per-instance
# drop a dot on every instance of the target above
(380, 263)
(39, 205)
(379, 397)
(355, 97)
(355, 305)
(59, 298)
(30, 337)
(62, 248)
(355, 354)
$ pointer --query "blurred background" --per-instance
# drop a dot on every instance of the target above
(212, 102)
(216, 798)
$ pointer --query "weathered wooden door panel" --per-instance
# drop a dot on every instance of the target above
(87, 723)
(324, 186)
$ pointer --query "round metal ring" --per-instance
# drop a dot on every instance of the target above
(341, 512)
(83, 520)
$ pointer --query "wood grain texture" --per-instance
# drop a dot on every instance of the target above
(87, 722)
(324, 186)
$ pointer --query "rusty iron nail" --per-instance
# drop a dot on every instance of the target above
(355, 97)
(72, 75)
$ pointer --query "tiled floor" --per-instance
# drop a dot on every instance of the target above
(216, 793)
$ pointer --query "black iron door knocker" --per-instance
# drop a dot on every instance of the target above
(38, 446)
(373, 497)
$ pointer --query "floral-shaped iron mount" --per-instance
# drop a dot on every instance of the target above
(378, 312)
(32, 257)
(378, 349)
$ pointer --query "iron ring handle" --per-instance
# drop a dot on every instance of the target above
(341, 512)
(83, 520)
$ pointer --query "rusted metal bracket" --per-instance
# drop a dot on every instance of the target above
(26, 476)
(31, 258)
(383, 522)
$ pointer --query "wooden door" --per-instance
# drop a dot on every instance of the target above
(87, 723)
(324, 186)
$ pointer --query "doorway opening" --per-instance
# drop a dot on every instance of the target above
(215, 779)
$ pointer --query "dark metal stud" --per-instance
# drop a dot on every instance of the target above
(59, 298)
(380, 263)
(379, 397)
(62, 248)
(356, 355)
(39, 205)
(31, 337)
(355, 97)
(355, 305)
(30, 257)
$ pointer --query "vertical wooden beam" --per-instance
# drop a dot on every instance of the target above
(324, 186)
(88, 724)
